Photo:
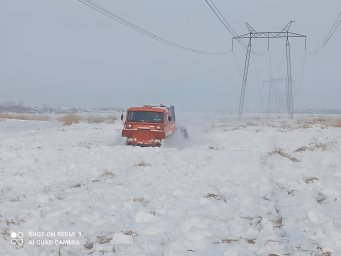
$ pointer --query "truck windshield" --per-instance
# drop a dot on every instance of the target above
(145, 116)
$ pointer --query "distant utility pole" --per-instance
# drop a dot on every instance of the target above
(269, 35)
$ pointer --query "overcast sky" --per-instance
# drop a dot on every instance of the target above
(62, 53)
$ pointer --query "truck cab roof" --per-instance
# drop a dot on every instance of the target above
(149, 108)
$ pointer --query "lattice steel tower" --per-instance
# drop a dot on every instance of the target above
(269, 35)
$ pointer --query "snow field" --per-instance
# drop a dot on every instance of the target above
(248, 187)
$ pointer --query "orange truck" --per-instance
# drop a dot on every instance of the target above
(148, 125)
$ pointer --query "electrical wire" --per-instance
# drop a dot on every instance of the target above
(281, 63)
(270, 64)
(223, 20)
(259, 87)
(301, 79)
(237, 65)
(221, 17)
(329, 35)
(228, 27)
(143, 31)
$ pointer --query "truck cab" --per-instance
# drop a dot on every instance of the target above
(148, 125)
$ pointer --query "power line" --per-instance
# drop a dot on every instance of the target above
(329, 35)
(221, 17)
(143, 31)
(223, 20)
(228, 27)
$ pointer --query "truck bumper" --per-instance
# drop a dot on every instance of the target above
(143, 137)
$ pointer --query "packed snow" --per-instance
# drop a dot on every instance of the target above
(254, 186)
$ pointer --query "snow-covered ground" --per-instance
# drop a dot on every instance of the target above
(249, 187)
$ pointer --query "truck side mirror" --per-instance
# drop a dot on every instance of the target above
(169, 118)
(122, 116)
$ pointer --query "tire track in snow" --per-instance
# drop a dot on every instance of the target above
(274, 199)
(290, 211)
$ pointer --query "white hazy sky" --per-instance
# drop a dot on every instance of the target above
(62, 53)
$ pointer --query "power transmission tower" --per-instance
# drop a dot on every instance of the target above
(268, 35)
(276, 95)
